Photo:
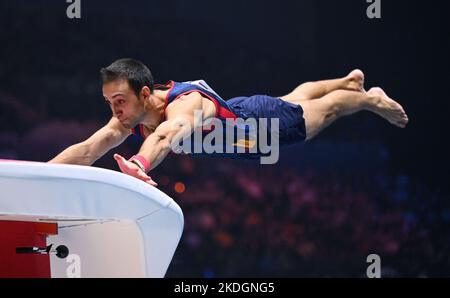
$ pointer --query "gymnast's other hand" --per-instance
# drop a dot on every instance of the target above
(132, 169)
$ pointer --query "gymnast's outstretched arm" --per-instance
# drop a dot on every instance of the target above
(180, 123)
(88, 151)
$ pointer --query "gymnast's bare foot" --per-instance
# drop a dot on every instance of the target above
(386, 107)
(354, 81)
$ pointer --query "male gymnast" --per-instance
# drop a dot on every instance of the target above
(162, 115)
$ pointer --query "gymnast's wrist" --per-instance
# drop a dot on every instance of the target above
(141, 162)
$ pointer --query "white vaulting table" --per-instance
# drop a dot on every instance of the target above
(114, 225)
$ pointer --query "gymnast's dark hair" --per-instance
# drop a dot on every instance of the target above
(134, 71)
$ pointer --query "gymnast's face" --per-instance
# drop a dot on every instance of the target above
(124, 103)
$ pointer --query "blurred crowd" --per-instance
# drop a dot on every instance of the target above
(261, 221)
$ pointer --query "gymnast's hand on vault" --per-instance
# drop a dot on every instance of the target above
(132, 169)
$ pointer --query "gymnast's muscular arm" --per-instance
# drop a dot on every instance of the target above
(88, 151)
(180, 123)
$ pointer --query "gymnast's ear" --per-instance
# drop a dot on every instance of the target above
(145, 93)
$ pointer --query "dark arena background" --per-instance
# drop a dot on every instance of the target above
(361, 187)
